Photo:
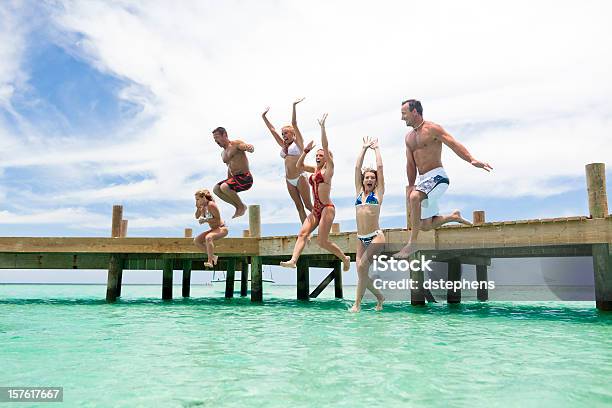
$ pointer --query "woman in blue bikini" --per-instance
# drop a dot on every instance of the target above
(292, 145)
(370, 188)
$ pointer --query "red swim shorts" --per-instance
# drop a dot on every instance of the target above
(239, 182)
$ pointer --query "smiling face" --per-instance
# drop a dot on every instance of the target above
(288, 135)
(410, 117)
(369, 181)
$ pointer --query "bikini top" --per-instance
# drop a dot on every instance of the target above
(370, 199)
(316, 178)
(292, 150)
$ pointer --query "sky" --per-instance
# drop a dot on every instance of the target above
(113, 102)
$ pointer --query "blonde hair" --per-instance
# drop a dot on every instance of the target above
(204, 193)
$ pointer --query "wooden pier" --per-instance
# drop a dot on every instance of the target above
(453, 244)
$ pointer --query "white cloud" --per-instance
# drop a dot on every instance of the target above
(197, 65)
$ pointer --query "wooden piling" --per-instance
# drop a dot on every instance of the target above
(478, 218)
(115, 265)
(246, 233)
(602, 268)
(303, 278)
(596, 188)
(417, 296)
(124, 228)
(230, 274)
(244, 277)
(167, 279)
(454, 274)
(187, 265)
(338, 279)
(256, 279)
(116, 223)
(254, 221)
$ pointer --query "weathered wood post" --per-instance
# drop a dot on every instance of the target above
(187, 265)
(256, 279)
(246, 233)
(230, 274)
(335, 228)
(124, 228)
(338, 279)
(254, 221)
(167, 279)
(115, 266)
(244, 277)
(122, 234)
(454, 274)
(602, 257)
(478, 218)
(417, 295)
(303, 279)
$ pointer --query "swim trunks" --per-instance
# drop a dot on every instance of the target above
(433, 183)
(239, 182)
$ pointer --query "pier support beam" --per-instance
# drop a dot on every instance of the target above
(482, 276)
(338, 279)
(115, 267)
(244, 277)
(230, 275)
(602, 268)
(256, 279)
(303, 279)
(417, 295)
(322, 285)
(187, 264)
(167, 279)
(454, 274)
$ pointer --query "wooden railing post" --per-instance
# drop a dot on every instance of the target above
(596, 188)
(254, 221)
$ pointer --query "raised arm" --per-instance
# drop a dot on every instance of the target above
(459, 149)
(299, 140)
(380, 182)
(300, 163)
(277, 137)
(366, 144)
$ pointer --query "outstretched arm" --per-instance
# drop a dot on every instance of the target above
(299, 140)
(329, 161)
(366, 144)
(245, 147)
(380, 182)
(278, 139)
(300, 163)
(459, 149)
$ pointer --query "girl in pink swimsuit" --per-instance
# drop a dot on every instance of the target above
(323, 212)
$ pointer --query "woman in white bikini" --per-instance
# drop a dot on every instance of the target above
(292, 145)
(370, 188)
(208, 212)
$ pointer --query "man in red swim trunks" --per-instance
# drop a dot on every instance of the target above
(238, 176)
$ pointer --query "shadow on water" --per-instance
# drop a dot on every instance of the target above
(509, 310)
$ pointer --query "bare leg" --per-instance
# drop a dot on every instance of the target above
(234, 200)
(438, 220)
(304, 190)
(297, 200)
(200, 242)
(327, 218)
(219, 193)
(415, 223)
(309, 225)
(217, 233)
(364, 257)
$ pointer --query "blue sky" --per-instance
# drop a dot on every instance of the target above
(113, 102)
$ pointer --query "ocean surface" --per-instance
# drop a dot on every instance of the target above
(211, 351)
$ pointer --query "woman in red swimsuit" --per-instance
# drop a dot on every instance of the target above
(323, 211)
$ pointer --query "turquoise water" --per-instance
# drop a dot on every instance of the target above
(209, 351)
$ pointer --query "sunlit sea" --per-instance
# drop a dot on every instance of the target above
(217, 352)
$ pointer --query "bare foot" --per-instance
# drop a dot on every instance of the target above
(214, 259)
(456, 216)
(208, 265)
(240, 211)
(346, 263)
(405, 252)
(288, 264)
(355, 309)
(379, 303)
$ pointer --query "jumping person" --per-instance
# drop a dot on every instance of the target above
(238, 176)
(208, 212)
(370, 188)
(323, 211)
(292, 146)
(423, 154)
